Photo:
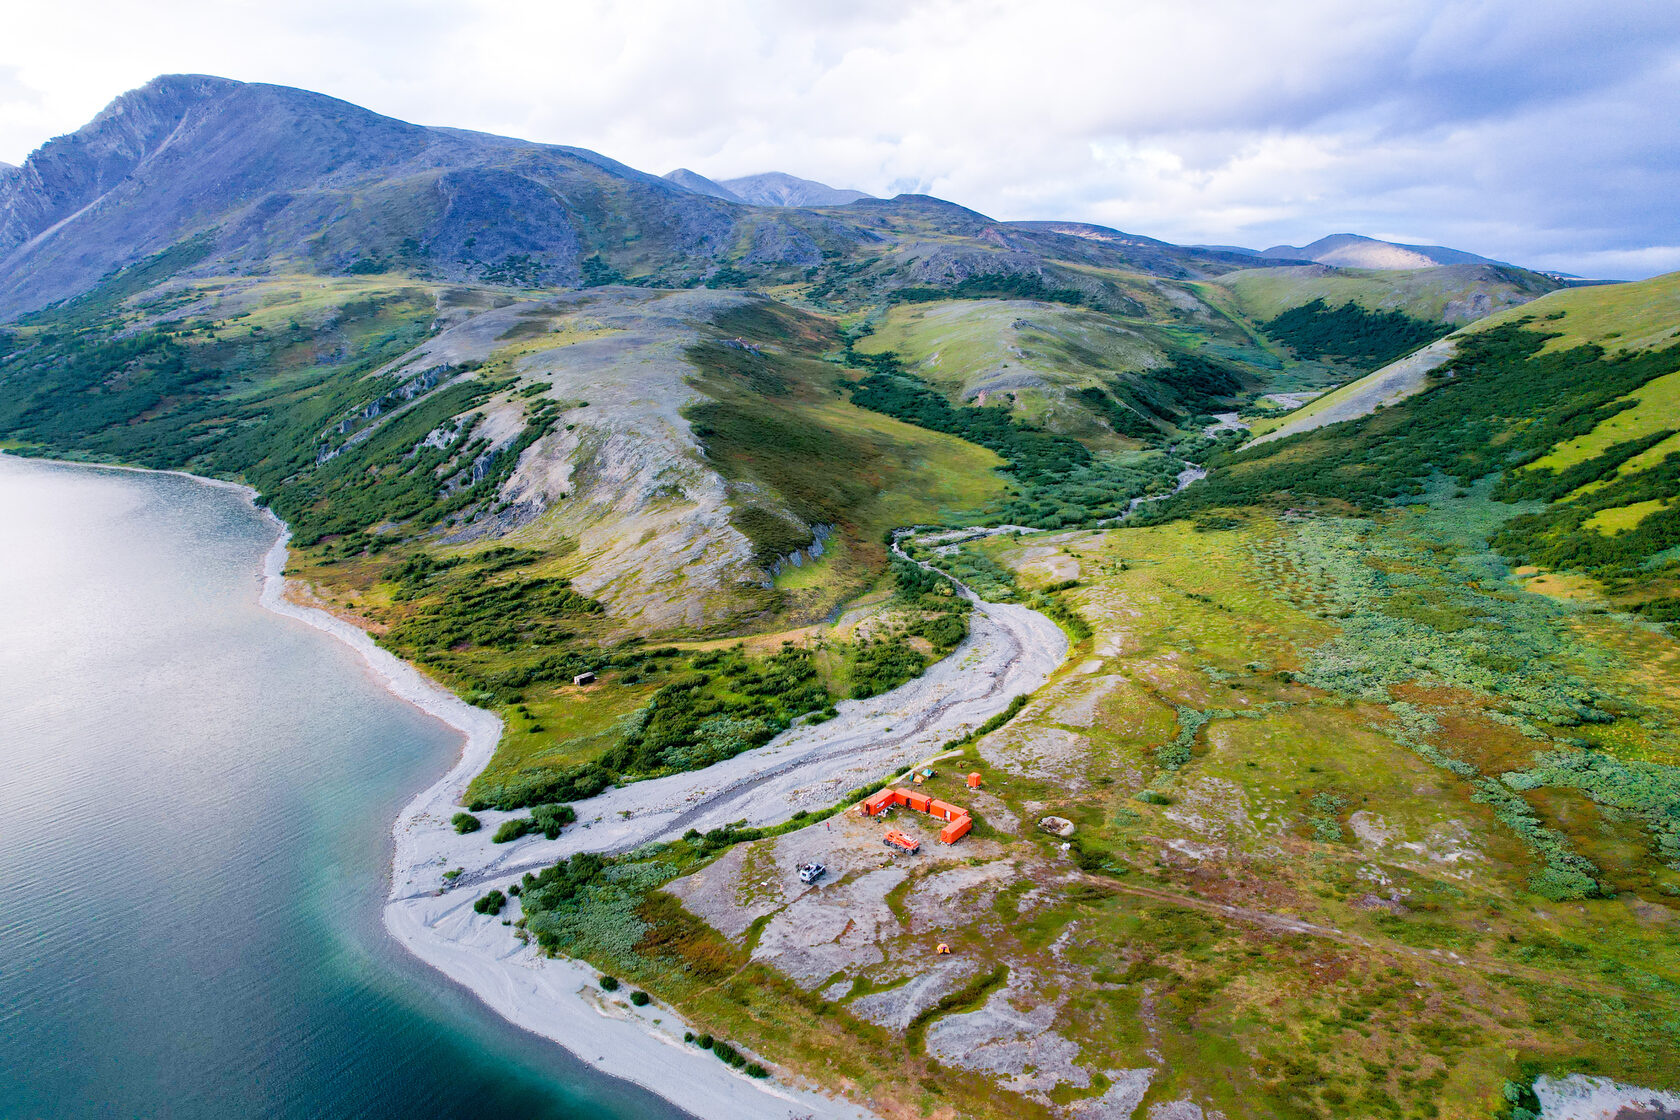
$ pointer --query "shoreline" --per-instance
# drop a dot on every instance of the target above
(556, 998)
(559, 999)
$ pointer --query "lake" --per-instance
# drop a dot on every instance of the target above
(196, 798)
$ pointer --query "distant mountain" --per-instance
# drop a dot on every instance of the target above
(244, 177)
(774, 188)
(1239, 250)
(1350, 250)
(1104, 234)
(200, 176)
(699, 184)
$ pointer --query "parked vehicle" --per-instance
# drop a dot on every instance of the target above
(900, 842)
(811, 872)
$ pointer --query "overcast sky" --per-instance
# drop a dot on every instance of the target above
(1545, 132)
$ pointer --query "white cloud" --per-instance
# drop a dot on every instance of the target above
(1543, 131)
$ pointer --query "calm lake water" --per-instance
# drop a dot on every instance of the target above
(195, 800)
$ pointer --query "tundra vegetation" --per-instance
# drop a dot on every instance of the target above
(1368, 739)
(1371, 817)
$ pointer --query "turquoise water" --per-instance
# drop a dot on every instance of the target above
(195, 800)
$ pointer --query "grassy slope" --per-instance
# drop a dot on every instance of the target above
(1452, 293)
(1251, 628)
(1638, 316)
(1045, 353)
(1353, 390)
(780, 421)
(1621, 319)
(1038, 351)
(1440, 294)
(1317, 909)
(1581, 422)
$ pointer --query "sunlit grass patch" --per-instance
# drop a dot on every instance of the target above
(1653, 407)
(1622, 518)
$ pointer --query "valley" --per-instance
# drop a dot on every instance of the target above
(1330, 600)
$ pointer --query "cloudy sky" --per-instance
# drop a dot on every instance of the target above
(1545, 132)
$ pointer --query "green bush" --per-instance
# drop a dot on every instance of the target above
(465, 822)
(1367, 338)
(491, 903)
(550, 819)
(639, 998)
(882, 664)
(513, 829)
(609, 983)
(1003, 717)
(1175, 754)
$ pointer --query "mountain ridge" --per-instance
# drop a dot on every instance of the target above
(243, 178)
(1353, 250)
(699, 184)
(282, 173)
(778, 188)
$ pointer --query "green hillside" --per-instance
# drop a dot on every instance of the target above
(1111, 380)
(1566, 408)
(1448, 294)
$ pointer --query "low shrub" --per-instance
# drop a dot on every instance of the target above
(609, 983)
(550, 819)
(639, 998)
(465, 822)
(512, 830)
(491, 903)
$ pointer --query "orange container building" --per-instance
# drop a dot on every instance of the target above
(944, 810)
(877, 803)
(956, 818)
(974, 780)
